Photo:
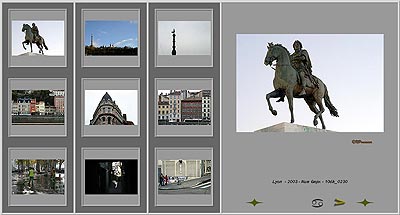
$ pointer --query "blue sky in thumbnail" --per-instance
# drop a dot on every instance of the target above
(119, 33)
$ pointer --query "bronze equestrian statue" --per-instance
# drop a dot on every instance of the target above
(32, 36)
(289, 82)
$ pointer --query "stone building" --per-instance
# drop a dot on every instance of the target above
(206, 104)
(108, 113)
(186, 168)
(191, 108)
(163, 108)
(174, 106)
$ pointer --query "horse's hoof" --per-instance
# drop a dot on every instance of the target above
(292, 121)
(315, 122)
(274, 112)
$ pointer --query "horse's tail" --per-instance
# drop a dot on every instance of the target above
(329, 104)
(44, 44)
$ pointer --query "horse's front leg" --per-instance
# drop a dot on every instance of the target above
(23, 44)
(289, 96)
(274, 94)
(31, 46)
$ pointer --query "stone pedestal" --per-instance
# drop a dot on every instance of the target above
(289, 127)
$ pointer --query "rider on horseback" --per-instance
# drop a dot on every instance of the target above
(301, 62)
(35, 32)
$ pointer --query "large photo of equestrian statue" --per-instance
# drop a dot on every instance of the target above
(37, 38)
(282, 83)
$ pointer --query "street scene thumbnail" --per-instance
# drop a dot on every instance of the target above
(36, 177)
(184, 107)
(37, 107)
(111, 177)
(184, 176)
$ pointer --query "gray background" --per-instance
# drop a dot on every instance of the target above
(37, 153)
(184, 72)
(38, 61)
(110, 200)
(184, 154)
(263, 157)
(183, 130)
(113, 72)
(41, 73)
(110, 61)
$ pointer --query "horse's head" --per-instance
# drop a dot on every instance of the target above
(275, 52)
(271, 55)
(25, 27)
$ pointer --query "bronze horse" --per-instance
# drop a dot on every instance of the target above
(286, 84)
(29, 39)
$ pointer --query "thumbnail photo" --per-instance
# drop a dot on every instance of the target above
(111, 37)
(37, 38)
(111, 107)
(111, 176)
(37, 177)
(184, 38)
(184, 176)
(37, 107)
(184, 107)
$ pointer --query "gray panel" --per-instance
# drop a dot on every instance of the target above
(58, 11)
(183, 15)
(183, 84)
(109, 84)
(37, 14)
(110, 200)
(319, 156)
(107, 75)
(36, 200)
(37, 130)
(173, 153)
(176, 73)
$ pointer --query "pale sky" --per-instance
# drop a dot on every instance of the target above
(51, 31)
(350, 65)
(192, 37)
(127, 101)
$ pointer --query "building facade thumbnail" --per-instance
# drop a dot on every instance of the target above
(108, 113)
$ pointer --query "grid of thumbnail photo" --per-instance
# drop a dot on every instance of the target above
(37, 107)
(111, 176)
(37, 177)
(184, 176)
(184, 107)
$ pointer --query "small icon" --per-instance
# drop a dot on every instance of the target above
(317, 203)
(254, 202)
(365, 202)
(339, 202)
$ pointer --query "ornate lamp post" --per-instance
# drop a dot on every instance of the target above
(173, 42)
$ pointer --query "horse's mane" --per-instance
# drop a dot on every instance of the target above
(284, 48)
